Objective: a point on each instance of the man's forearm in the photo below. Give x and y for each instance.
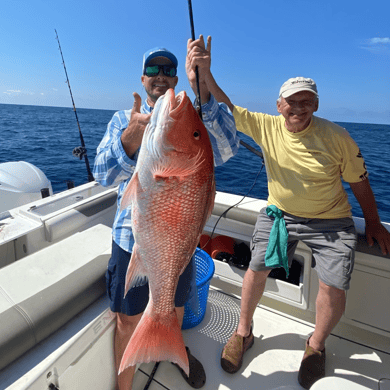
(364, 195)
(217, 92)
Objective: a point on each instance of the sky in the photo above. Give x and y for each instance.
(256, 46)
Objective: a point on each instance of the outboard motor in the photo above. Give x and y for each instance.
(21, 183)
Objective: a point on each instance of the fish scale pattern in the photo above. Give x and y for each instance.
(172, 195)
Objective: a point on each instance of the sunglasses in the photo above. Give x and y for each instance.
(154, 70)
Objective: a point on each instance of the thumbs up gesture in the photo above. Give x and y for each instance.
(132, 137)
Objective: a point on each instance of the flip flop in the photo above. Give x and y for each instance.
(197, 377)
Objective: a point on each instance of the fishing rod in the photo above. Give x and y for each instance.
(252, 149)
(199, 104)
(198, 101)
(80, 151)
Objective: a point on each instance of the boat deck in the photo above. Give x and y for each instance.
(273, 361)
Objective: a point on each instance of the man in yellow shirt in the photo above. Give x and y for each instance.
(306, 157)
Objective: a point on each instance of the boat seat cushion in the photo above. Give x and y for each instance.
(41, 292)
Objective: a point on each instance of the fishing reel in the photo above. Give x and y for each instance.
(79, 152)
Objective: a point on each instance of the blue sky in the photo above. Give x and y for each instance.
(257, 45)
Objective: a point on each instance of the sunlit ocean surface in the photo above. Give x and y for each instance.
(46, 136)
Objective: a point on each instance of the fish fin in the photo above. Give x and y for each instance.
(130, 192)
(156, 338)
(177, 167)
(136, 273)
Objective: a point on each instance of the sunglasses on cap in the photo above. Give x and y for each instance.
(154, 70)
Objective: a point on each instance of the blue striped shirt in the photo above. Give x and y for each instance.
(114, 167)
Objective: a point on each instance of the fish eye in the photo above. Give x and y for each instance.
(196, 135)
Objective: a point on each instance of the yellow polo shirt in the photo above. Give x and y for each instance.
(304, 169)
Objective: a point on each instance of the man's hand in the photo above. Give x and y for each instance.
(374, 229)
(132, 137)
(378, 232)
(198, 55)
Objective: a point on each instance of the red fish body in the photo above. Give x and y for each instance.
(171, 195)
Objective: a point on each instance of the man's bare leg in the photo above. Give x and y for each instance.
(125, 327)
(330, 306)
(252, 290)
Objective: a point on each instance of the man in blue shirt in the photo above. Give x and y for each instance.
(115, 162)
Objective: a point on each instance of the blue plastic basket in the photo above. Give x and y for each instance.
(204, 272)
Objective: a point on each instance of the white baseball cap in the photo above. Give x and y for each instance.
(298, 84)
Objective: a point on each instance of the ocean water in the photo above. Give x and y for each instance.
(46, 136)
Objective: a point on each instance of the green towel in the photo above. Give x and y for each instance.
(276, 255)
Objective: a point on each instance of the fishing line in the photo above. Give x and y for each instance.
(80, 151)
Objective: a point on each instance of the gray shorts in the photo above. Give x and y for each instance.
(332, 241)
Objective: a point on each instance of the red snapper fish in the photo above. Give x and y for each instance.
(171, 194)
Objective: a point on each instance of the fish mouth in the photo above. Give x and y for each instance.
(170, 109)
(176, 103)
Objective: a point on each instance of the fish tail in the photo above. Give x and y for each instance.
(154, 340)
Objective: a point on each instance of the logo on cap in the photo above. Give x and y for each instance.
(298, 84)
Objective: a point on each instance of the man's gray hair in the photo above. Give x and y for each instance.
(279, 99)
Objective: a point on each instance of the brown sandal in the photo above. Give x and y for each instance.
(233, 352)
(312, 366)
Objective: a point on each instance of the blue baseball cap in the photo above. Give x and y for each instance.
(158, 52)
